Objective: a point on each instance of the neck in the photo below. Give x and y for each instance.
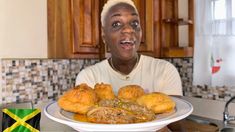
(124, 67)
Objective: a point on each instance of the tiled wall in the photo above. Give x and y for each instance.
(185, 68)
(45, 79)
(38, 80)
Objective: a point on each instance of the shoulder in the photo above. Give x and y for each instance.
(148, 60)
(94, 70)
(100, 65)
(91, 73)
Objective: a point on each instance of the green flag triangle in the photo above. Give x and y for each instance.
(21, 112)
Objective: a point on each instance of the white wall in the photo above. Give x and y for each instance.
(23, 28)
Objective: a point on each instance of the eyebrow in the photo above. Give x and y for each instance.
(118, 14)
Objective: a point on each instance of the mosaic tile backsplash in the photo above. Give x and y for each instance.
(39, 80)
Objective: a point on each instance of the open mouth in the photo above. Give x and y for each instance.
(127, 44)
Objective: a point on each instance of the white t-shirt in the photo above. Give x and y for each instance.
(154, 75)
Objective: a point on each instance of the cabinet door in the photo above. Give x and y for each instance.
(73, 29)
(145, 8)
(85, 27)
(59, 35)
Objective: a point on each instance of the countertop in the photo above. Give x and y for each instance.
(48, 125)
(209, 108)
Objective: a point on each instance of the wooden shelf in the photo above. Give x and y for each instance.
(179, 21)
(177, 52)
(171, 30)
(184, 22)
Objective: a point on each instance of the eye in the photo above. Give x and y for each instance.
(135, 24)
(116, 24)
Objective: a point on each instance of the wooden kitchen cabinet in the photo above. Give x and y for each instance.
(85, 28)
(170, 23)
(74, 28)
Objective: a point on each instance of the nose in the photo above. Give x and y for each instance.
(127, 29)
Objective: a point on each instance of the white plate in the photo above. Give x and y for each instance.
(183, 109)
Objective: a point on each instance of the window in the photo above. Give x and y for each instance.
(223, 17)
(233, 8)
(214, 50)
(233, 16)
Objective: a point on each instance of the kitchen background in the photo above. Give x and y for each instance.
(26, 74)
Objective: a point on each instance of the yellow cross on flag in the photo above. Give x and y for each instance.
(21, 120)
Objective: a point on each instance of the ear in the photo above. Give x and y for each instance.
(103, 34)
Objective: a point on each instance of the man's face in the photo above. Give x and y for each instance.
(122, 31)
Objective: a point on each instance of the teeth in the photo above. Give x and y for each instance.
(127, 41)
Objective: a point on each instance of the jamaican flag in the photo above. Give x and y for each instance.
(21, 120)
